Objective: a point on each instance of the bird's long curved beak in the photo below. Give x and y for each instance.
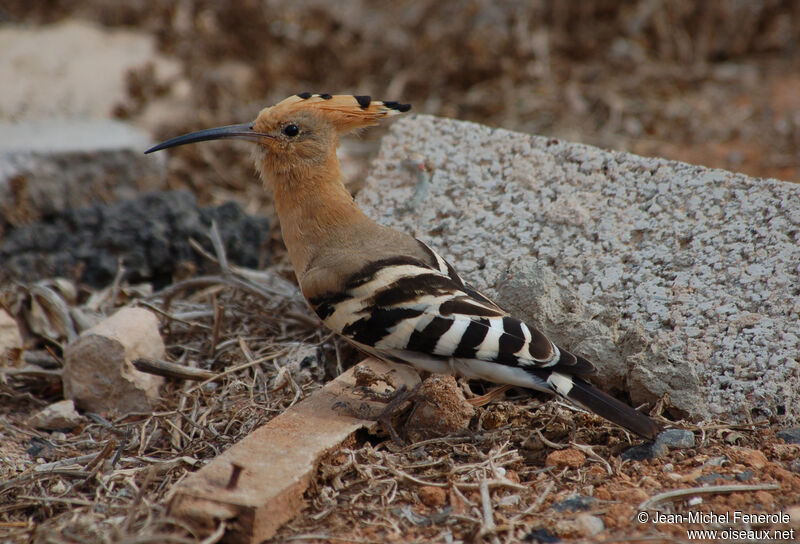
(242, 131)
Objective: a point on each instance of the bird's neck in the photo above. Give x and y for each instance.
(313, 207)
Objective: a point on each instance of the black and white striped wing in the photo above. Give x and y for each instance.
(404, 309)
(423, 313)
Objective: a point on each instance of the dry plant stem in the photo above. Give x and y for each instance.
(111, 302)
(487, 511)
(490, 396)
(71, 502)
(237, 368)
(219, 247)
(667, 495)
(174, 371)
(30, 370)
(538, 502)
(172, 317)
(592, 455)
(217, 535)
(14, 524)
(104, 454)
(219, 315)
(247, 276)
(148, 479)
(548, 443)
(286, 288)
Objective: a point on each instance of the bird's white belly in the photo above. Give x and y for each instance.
(475, 369)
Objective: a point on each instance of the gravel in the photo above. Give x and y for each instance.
(149, 234)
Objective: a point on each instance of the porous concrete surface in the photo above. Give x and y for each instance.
(692, 274)
(48, 166)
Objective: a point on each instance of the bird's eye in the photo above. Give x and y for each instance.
(291, 130)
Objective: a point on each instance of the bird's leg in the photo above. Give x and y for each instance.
(395, 406)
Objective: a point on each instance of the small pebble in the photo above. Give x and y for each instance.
(602, 494)
(794, 516)
(419, 454)
(676, 439)
(432, 496)
(764, 498)
(648, 450)
(574, 503)
(633, 495)
(541, 536)
(508, 500)
(569, 457)
(791, 435)
(711, 478)
(588, 525)
(513, 476)
(753, 458)
(716, 461)
(669, 467)
(745, 476)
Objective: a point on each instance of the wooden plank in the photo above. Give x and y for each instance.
(276, 462)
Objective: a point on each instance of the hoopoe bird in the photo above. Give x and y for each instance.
(385, 292)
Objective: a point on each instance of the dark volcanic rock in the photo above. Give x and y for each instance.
(149, 233)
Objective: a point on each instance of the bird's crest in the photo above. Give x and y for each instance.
(346, 112)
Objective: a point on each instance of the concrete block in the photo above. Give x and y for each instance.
(48, 166)
(674, 278)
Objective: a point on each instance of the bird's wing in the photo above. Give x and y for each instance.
(413, 307)
(416, 309)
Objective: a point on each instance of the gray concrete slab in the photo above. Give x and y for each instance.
(674, 278)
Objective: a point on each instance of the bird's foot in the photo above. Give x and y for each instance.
(395, 407)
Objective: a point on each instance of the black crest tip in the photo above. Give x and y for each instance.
(363, 101)
(397, 106)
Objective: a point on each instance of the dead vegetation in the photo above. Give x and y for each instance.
(111, 479)
(713, 83)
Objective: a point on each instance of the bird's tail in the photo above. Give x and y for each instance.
(604, 405)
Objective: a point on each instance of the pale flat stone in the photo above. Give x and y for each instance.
(59, 415)
(98, 371)
(686, 277)
(10, 339)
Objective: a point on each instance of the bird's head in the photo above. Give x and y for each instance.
(300, 132)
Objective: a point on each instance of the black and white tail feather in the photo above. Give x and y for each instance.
(418, 310)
